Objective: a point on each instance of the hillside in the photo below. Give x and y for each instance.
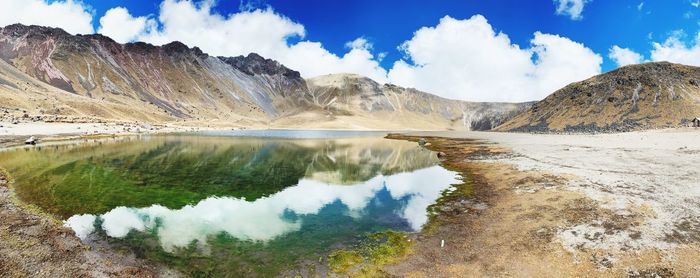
(646, 96)
(48, 74)
(350, 94)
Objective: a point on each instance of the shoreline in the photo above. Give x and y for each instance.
(522, 209)
(536, 219)
(34, 243)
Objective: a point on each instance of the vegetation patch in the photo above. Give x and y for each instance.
(342, 260)
(5, 178)
(380, 249)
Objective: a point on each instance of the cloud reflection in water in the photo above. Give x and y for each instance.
(264, 219)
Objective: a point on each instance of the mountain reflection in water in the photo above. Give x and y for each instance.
(250, 205)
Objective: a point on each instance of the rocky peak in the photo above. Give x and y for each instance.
(175, 47)
(140, 47)
(99, 38)
(34, 31)
(254, 64)
(663, 71)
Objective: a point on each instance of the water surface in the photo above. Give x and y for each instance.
(222, 205)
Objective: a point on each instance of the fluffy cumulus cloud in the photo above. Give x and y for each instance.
(460, 59)
(571, 8)
(262, 31)
(467, 59)
(673, 49)
(119, 25)
(70, 15)
(624, 56)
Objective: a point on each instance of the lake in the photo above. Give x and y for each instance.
(234, 203)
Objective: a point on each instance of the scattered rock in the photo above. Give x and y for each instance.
(421, 141)
(31, 141)
(441, 155)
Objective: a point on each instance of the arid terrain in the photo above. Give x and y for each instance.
(532, 205)
(635, 97)
(33, 244)
(565, 205)
(49, 75)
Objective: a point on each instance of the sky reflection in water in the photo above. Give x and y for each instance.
(251, 204)
(266, 218)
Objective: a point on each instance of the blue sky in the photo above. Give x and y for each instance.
(481, 50)
(388, 23)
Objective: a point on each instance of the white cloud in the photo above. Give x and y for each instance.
(119, 25)
(467, 59)
(673, 49)
(359, 43)
(71, 16)
(640, 6)
(624, 56)
(460, 59)
(262, 31)
(571, 8)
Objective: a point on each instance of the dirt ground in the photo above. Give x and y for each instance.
(620, 205)
(35, 245)
(534, 224)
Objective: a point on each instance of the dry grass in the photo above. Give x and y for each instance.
(516, 235)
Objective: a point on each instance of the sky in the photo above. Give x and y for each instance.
(477, 50)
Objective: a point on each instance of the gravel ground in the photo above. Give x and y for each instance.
(35, 245)
(654, 173)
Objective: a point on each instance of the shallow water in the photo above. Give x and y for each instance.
(215, 204)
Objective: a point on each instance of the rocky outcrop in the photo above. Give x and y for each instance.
(646, 96)
(173, 82)
(354, 94)
(179, 81)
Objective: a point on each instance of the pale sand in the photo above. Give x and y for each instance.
(39, 128)
(655, 173)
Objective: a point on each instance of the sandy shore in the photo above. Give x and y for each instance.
(537, 205)
(33, 244)
(567, 205)
(17, 133)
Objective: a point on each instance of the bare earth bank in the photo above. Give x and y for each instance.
(34, 245)
(542, 205)
(566, 205)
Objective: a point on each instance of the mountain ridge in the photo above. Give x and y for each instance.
(176, 83)
(635, 97)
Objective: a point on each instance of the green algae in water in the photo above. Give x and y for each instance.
(230, 207)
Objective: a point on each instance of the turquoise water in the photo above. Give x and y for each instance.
(220, 205)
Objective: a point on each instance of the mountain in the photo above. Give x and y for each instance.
(47, 73)
(635, 97)
(350, 94)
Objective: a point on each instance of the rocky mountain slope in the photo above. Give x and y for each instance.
(646, 96)
(47, 73)
(350, 94)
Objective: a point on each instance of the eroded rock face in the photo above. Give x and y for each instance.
(646, 96)
(174, 82)
(349, 93)
(255, 64)
(181, 82)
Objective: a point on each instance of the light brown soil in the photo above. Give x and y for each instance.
(516, 234)
(35, 245)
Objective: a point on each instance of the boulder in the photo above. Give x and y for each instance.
(31, 141)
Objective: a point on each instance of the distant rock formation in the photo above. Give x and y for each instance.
(94, 76)
(635, 97)
(354, 94)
